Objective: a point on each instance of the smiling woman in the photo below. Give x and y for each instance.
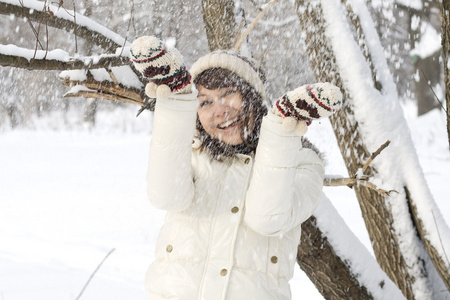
(233, 176)
(229, 114)
(219, 113)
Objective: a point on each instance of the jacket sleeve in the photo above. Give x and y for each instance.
(287, 181)
(169, 177)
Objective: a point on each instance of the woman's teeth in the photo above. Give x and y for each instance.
(227, 123)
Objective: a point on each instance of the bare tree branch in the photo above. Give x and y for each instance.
(375, 154)
(351, 182)
(240, 39)
(67, 24)
(106, 90)
(100, 95)
(53, 64)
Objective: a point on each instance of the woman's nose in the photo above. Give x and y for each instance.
(220, 108)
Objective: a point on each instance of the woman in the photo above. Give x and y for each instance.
(234, 178)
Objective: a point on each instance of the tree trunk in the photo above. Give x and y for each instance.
(445, 37)
(331, 275)
(220, 23)
(334, 278)
(376, 211)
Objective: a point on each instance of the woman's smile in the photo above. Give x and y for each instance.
(219, 113)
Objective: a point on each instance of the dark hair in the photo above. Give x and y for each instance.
(253, 109)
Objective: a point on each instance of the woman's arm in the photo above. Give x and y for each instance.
(169, 178)
(287, 180)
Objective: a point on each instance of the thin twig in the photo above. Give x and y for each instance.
(44, 10)
(95, 271)
(241, 25)
(439, 235)
(351, 182)
(133, 17)
(240, 40)
(36, 34)
(129, 25)
(437, 98)
(99, 95)
(113, 77)
(442, 11)
(46, 31)
(75, 28)
(375, 154)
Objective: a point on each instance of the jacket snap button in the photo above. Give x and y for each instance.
(274, 259)
(247, 160)
(223, 272)
(169, 248)
(235, 209)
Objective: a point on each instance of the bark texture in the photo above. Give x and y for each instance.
(109, 90)
(51, 64)
(220, 23)
(375, 209)
(445, 38)
(331, 275)
(438, 261)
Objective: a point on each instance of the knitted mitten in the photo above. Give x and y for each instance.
(161, 66)
(307, 103)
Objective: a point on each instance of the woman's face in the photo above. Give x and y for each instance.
(219, 112)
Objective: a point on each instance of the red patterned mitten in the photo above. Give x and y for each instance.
(160, 65)
(307, 103)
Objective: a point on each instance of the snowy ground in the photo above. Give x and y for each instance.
(69, 197)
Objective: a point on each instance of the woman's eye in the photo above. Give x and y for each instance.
(205, 103)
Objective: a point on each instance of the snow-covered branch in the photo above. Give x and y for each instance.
(17, 57)
(63, 19)
(115, 84)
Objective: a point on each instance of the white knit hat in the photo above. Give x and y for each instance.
(247, 68)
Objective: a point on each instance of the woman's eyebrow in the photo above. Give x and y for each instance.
(228, 92)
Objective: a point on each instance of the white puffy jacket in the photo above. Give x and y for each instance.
(232, 227)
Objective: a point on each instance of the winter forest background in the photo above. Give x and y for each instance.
(72, 179)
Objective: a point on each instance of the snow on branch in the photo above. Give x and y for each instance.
(114, 84)
(17, 57)
(359, 179)
(63, 19)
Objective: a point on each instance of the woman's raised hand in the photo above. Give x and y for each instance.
(163, 67)
(307, 103)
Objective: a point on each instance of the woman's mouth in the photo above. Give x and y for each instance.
(228, 124)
